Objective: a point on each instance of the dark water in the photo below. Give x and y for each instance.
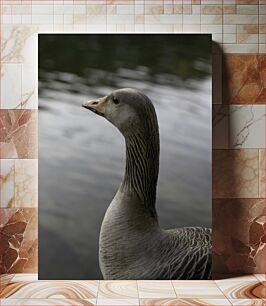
(81, 155)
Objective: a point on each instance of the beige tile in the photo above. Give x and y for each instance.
(211, 9)
(48, 302)
(240, 19)
(247, 38)
(117, 302)
(247, 29)
(248, 302)
(240, 48)
(229, 9)
(211, 19)
(126, 289)
(155, 289)
(25, 277)
(11, 85)
(247, 9)
(184, 302)
(154, 9)
(58, 289)
(229, 38)
(197, 289)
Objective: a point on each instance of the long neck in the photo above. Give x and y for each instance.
(142, 166)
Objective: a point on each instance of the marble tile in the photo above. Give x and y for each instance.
(51, 290)
(5, 279)
(25, 277)
(18, 129)
(247, 126)
(7, 183)
(248, 302)
(118, 289)
(220, 126)
(243, 79)
(211, 9)
(18, 44)
(26, 183)
(248, 29)
(18, 233)
(48, 302)
(29, 85)
(260, 277)
(247, 1)
(117, 302)
(197, 289)
(11, 84)
(155, 289)
(235, 173)
(184, 302)
(239, 245)
(262, 171)
(239, 288)
(241, 49)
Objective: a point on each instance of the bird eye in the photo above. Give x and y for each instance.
(115, 100)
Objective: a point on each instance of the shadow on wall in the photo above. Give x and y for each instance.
(238, 223)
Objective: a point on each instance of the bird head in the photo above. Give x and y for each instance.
(127, 109)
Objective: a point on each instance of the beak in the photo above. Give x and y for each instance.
(97, 106)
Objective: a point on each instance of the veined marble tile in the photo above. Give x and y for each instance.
(26, 183)
(248, 302)
(118, 289)
(18, 233)
(18, 44)
(184, 302)
(238, 235)
(220, 126)
(29, 85)
(247, 126)
(260, 277)
(11, 84)
(235, 173)
(7, 183)
(197, 289)
(18, 130)
(48, 302)
(51, 290)
(5, 279)
(241, 289)
(243, 77)
(155, 289)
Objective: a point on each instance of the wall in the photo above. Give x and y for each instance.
(238, 29)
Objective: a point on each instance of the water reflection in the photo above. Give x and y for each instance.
(81, 159)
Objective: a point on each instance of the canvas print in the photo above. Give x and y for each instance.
(124, 156)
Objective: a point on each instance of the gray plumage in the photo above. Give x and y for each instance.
(132, 245)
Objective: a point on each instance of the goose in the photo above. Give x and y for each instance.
(132, 245)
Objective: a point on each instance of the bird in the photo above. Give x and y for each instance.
(132, 244)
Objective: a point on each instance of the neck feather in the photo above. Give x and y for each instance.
(142, 166)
